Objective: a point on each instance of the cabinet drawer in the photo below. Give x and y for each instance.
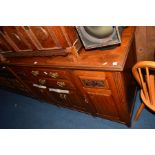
(63, 84)
(48, 73)
(25, 72)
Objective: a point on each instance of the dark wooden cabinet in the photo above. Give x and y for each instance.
(101, 92)
(16, 39)
(31, 40)
(67, 98)
(97, 82)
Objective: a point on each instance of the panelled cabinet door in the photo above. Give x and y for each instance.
(42, 38)
(62, 99)
(103, 102)
(16, 39)
(100, 91)
(68, 99)
(40, 93)
(75, 101)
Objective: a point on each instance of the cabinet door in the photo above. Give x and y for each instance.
(16, 39)
(42, 38)
(67, 98)
(104, 102)
(100, 92)
(39, 91)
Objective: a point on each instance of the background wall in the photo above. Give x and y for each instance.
(145, 42)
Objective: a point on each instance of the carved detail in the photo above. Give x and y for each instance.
(61, 83)
(93, 83)
(42, 81)
(53, 75)
(35, 73)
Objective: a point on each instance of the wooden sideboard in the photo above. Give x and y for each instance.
(50, 64)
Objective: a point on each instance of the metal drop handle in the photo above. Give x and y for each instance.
(53, 75)
(42, 81)
(35, 73)
(61, 83)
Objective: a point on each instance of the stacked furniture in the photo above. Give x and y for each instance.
(50, 64)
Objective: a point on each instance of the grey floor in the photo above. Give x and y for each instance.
(20, 112)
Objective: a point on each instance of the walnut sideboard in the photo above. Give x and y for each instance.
(50, 64)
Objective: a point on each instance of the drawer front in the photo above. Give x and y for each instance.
(35, 73)
(63, 84)
(48, 73)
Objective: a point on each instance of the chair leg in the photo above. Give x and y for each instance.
(142, 106)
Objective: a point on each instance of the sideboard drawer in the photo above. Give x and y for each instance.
(60, 83)
(26, 72)
(48, 73)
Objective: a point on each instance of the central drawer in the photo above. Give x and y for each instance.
(60, 83)
(26, 72)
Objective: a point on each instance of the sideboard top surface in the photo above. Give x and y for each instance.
(112, 59)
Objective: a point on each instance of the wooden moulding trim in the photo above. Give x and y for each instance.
(128, 47)
(62, 52)
(77, 67)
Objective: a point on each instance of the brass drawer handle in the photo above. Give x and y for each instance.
(35, 73)
(53, 75)
(39, 86)
(63, 96)
(61, 83)
(59, 90)
(42, 81)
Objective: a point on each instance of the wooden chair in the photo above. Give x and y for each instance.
(144, 73)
